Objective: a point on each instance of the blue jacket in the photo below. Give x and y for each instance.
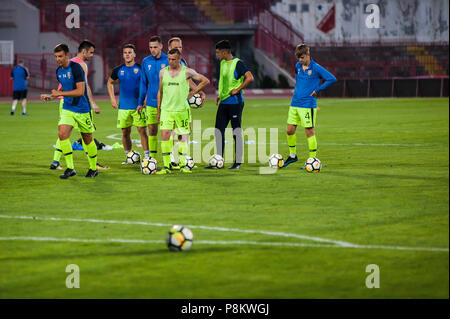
(150, 79)
(307, 82)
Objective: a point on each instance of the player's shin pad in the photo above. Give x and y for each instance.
(153, 144)
(312, 146)
(66, 148)
(92, 155)
(166, 149)
(58, 151)
(183, 149)
(292, 143)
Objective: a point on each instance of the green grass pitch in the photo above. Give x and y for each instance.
(384, 186)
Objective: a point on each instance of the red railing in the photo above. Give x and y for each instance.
(97, 21)
(153, 20)
(53, 19)
(276, 37)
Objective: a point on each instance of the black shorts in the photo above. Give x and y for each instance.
(19, 95)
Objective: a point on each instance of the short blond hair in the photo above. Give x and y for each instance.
(174, 39)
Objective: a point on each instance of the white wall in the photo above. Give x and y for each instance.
(21, 24)
(400, 20)
(25, 33)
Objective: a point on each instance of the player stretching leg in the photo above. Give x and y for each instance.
(173, 94)
(129, 77)
(76, 110)
(303, 109)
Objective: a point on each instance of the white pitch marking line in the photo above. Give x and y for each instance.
(210, 242)
(318, 239)
(341, 244)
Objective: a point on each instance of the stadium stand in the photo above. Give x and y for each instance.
(265, 27)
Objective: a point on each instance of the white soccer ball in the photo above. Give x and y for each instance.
(190, 162)
(149, 166)
(216, 161)
(179, 238)
(313, 165)
(133, 157)
(276, 161)
(195, 101)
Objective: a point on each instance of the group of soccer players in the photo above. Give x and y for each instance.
(156, 93)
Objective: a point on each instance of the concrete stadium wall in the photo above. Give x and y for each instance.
(20, 23)
(400, 20)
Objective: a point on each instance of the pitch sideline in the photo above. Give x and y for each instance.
(334, 243)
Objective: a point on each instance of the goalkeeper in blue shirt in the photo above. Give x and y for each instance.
(303, 109)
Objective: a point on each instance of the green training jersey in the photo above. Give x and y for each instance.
(175, 91)
(227, 81)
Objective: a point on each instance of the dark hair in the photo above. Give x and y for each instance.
(20, 61)
(61, 47)
(155, 38)
(130, 46)
(223, 45)
(301, 49)
(174, 51)
(85, 44)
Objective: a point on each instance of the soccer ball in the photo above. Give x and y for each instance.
(195, 101)
(179, 238)
(216, 161)
(133, 157)
(276, 161)
(313, 165)
(190, 162)
(148, 166)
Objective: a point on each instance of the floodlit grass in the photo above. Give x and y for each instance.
(385, 181)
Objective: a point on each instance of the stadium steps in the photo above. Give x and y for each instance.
(430, 64)
(213, 12)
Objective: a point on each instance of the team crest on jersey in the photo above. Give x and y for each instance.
(68, 75)
(163, 66)
(309, 72)
(149, 67)
(135, 70)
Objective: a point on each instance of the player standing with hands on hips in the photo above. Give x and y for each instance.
(303, 109)
(172, 112)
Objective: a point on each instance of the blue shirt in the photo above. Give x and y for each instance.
(19, 74)
(307, 82)
(129, 80)
(240, 70)
(69, 77)
(150, 79)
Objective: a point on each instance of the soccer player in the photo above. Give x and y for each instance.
(129, 77)
(151, 65)
(20, 75)
(76, 111)
(173, 94)
(85, 52)
(176, 43)
(303, 109)
(234, 77)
